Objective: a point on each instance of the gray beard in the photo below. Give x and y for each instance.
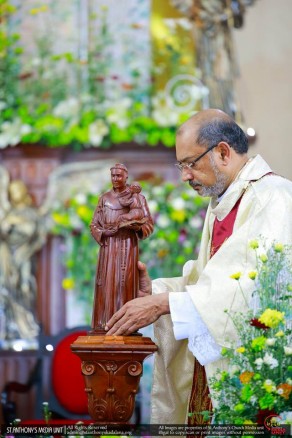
(216, 189)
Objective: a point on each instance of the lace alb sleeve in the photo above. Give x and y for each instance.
(187, 323)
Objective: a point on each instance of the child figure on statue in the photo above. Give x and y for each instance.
(129, 198)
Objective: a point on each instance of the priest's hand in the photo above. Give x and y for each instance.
(138, 313)
(145, 286)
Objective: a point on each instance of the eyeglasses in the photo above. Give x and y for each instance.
(181, 166)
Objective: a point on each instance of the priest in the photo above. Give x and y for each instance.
(248, 201)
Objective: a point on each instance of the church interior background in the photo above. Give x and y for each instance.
(87, 83)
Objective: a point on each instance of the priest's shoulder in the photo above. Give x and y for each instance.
(273, 185)
(274, 180)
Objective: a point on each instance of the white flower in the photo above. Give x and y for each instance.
(197, 92)
(286, 417)
(76, 222)
(270, 341)
(36, 62)
(163, 111)
(153, 244)
(165, 117)
(280, 391)
(3, 105)
(157, 244)
(185, 23)
(153, 206)
(157, 191)
(178, 204)
(97, 131)
(118, 112)
(25, 129)
(12, 132)
(270, 360)
(187, 244)
(269, 385)
(67, 108)
(48, 73)
(170, 23)
(163, 221)
(158, 98)
(80, 198)
(253, 399)
(196, 222)
(234, 369)
(288, 351)
(86, 98)
(259, 362)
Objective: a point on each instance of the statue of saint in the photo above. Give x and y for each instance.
(22, 233)
(121, 218)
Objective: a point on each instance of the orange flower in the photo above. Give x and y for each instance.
(162, 253)
(127, 86)
(136, 26)
(25, 75)
(246, 376)
(286, 388)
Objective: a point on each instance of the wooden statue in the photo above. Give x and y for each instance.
(121, 218)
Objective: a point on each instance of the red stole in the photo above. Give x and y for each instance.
(223, 229)
(200, 400)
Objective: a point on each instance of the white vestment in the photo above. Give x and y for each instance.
(265, 212)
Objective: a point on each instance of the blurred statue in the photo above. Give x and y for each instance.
(213, 21)
(22, 233)
(121, 218)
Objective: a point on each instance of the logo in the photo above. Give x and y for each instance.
(273, 424)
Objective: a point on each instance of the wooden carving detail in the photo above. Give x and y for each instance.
(87, 368)
(112, 409)
(110, 400)
(135, 369)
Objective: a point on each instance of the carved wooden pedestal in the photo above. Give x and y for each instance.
(112, 367)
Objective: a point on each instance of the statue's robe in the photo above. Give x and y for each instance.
(264, 213)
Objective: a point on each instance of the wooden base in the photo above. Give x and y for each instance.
(112, 367)
(100, 331)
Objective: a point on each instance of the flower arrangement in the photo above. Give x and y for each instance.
(178, 214)
(59, 96)
(259, 381)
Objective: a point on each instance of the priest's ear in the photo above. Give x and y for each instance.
(224, 153)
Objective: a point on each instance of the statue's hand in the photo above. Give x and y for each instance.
(145, 286)
(110, 232)
(137, 313)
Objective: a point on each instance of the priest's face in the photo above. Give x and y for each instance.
(204, 176)
(119, 179)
